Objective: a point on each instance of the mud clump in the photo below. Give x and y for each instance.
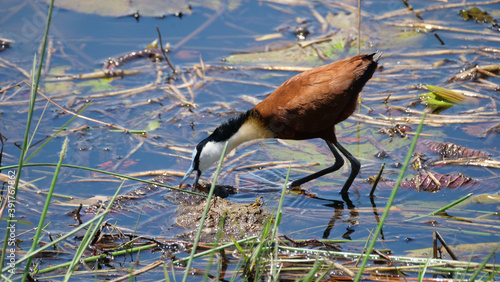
(241, 220)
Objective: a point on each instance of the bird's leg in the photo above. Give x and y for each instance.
(339, 162)
(355, 166)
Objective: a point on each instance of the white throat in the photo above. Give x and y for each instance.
(212, 151)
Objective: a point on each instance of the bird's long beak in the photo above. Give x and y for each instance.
(188, 173)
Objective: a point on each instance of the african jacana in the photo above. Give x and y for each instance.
(307, 106)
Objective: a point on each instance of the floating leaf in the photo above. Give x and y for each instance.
(486, 199)
(143, 8)
(477, 15)
(342, 41)
(152, 126)
(453, 151)
(426, 182)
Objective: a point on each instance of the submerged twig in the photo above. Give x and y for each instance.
(438, 236)
(163, 51)
(21, 70)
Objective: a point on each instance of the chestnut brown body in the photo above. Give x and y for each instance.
(311, 103)
(307, 106)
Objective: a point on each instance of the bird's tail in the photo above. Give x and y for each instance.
(376, 56)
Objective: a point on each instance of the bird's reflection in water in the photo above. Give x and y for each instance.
(262, 181)
(340, 209)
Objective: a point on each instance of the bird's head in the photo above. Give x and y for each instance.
(235, 131)
(206, 153)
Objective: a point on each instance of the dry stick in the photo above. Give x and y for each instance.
(50, 47)
(319, 39)
(381, 148)
(429, 26)
(139, 271)
(483, 69)
(81, 116)
(157, 172)
(177, 94)
(21, 70)
(94, 75)
(448, 249)
(359, 27)
(16, 103)
(347, 7)
(264, 67)
(210, 78)
(405, 11)
(377, 180)
(320, 19)
(7, 98)
(434, 245)
(230, 163)
(163, 51)
(481, 116)
(118, 163)
(469, 161)
(190, 91)
(130, 92)
(439, 52)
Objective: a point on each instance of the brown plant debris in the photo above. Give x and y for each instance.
(476, 72)
(426, 181)
(453, 151)
(241, 220)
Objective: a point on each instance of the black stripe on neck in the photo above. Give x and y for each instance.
(229, 127)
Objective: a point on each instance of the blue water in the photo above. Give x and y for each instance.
(82, 42)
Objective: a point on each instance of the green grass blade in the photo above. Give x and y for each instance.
(277, 220)
(204, 216)
(422, 274)
(12, 189)
(55, 242)
(55, 134)
(485, 261)
(46, 206)
(34, 88)
(108, 173)
(391, 200)
(218, 237)
(443, 208)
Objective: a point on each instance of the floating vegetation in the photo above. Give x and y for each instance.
(479, 16)
(433, 182)
(440, 99)
(5, 43)
(241, 220)
(151, 51)
(453, 151)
